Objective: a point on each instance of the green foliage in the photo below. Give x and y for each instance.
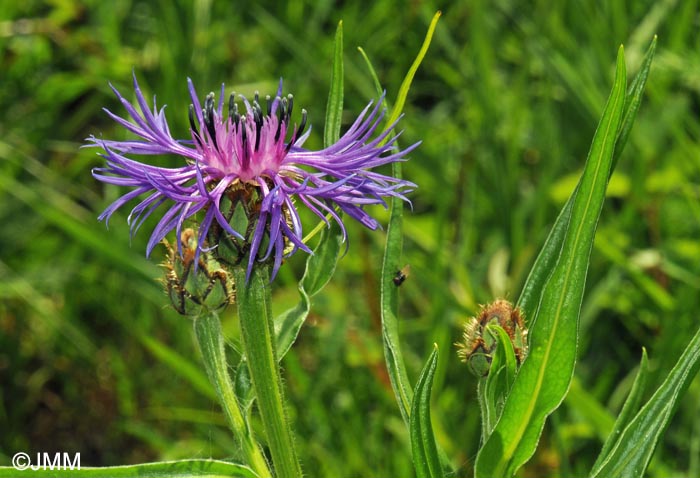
(631, 406)
(321, 265)
(544, 377)
(494, 389)
(630, 455)
(392, 257)
(334, 106)
(505, 104)
(207, 328)
(423, 447)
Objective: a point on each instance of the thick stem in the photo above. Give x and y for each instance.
(257, 331)
(207, 328)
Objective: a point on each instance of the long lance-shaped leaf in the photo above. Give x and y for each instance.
(530, 296)
(544, 377)
(425, 455)
(391, 262)
(406, 84)
(629, 410)
(635, 447)
(633, 101)
(163, 469)
(334, 107)
(321, 265)
(389, 307)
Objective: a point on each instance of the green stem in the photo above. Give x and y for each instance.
(257, 331)
(207, 328)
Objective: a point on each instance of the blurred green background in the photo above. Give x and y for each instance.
(506, 102)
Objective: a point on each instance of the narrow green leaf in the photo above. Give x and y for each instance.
(542, 268)
(180, 365)
(425, 454)
(406, 84)
(392, 260)
(633, 101)
(372, 72)
(320, 267)
(544, 377)
(504, 363)
(334, 108)
(629, 409)
(389, 306)
(163, 469)
(494, 389)
(630, 456)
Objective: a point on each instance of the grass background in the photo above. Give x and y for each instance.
(506, 102)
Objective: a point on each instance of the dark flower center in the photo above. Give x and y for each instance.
(283, 107)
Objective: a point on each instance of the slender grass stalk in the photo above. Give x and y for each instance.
(257, 331)
(211, 342)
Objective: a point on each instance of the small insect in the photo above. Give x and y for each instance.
(402, 275)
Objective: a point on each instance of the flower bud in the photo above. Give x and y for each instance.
(478, 344)
(207, 286)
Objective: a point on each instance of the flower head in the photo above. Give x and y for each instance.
(254, 159)
(191, 286)
(479, 340)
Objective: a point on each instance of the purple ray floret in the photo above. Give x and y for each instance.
(256, 149)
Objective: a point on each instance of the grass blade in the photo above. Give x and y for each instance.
(179, 365)
(544, 377)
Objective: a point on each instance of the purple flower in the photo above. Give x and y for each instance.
(248, 151)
